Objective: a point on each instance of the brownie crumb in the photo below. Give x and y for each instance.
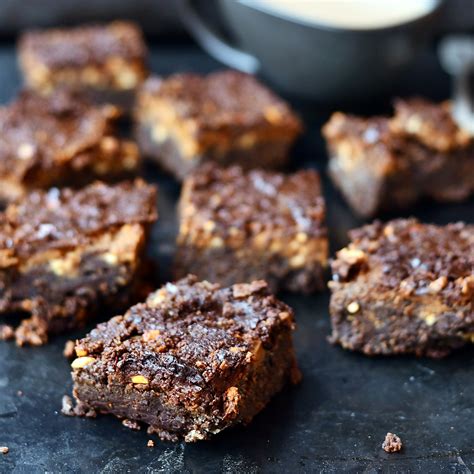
(243, 290)
(4, 449)
(133, 425)
(69, 351)
(67, 406)
(79, 409)
(392, 443)
(83, 410)
(6, 332)
(150, 443)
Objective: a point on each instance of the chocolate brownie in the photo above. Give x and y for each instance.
(404, 288)
(60, 140)
(64, 255)
(227, 117)
(382, 163)
(192, 360)
(109, 60)
(238, 226)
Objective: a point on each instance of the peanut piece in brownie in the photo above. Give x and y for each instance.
(227, 117)
(238, 226)
(192, 360)
(404, 288)
(60, 140)
(107, 60)
(65, 255)
(381, 163)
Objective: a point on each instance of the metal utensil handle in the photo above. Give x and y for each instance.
(212, 42)
(463, 98)
(456, 53)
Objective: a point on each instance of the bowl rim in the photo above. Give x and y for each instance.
(262, 8)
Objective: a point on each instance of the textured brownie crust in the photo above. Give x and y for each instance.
(85, 45)
(65, 254)
(191, 361)
(59, 140)
(237, 226)
(222, 99)
(430, 123)
(385, 163)
(103, 56)
(66, 218)
(226, 116)
(404, 287)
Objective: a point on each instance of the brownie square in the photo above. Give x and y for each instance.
(404, 288)
(65, 255)
(238, 226)
(227, 117)
(381, 164)
(60, 140)
(108, 61)
(192, 360)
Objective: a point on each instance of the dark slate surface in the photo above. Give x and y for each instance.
(334, 421)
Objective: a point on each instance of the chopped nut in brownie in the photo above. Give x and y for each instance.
(191, 361)
(383, 163)
(61, 140)
(131, 424)
(65, 255)
(7, 332)
(392, 443)
(404, 287)
(238, 226)
(227, 117)
(67, 408)
(69, 351)
(109, 61)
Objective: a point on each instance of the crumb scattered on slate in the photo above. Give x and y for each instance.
(4, 449)
(392, 443)
(67, 406)
(19, 393)
(82, 410)
(150, 443)
(69, 351)
(6, 332)
(133, 425)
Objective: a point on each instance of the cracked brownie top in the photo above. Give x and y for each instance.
(85, 45)
(223, 99)
(187, 335)
(234, 201)
(41, 132)
(415, 120)
(66, 218)
(413, 258)
(430, 123)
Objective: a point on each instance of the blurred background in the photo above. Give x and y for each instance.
(158, 17)
(328, 61)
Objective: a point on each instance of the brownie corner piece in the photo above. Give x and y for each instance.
(238, 226)
(404, 288)
(227, 117)
(60, 140)
(107, 60)
(67, 255)
(191, 361)
(386, 163)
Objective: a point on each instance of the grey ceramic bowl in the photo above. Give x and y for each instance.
(308, 59)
